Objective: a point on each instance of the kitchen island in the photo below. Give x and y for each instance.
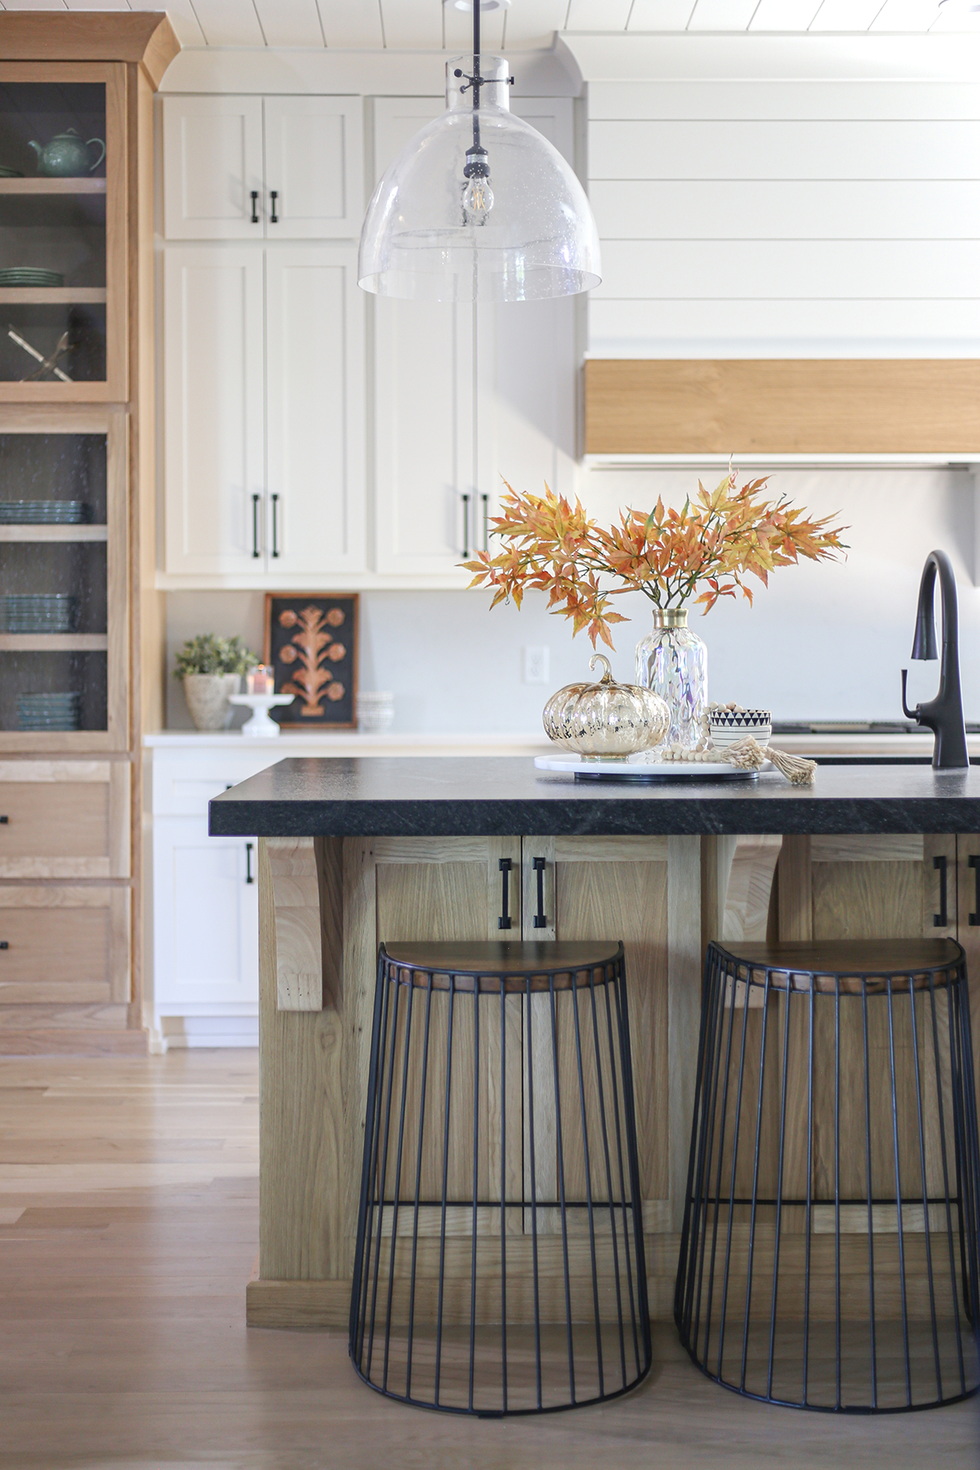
(356, 851)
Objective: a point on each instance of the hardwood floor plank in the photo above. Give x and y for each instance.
(128, 1229)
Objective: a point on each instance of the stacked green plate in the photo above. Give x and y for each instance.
(29, 275)
(49, 711)
(38, 612)
(42, 512)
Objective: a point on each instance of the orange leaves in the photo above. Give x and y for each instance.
(712, 544)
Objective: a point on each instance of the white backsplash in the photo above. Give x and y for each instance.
(823, 641)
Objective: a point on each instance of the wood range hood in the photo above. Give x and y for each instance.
(775, 407)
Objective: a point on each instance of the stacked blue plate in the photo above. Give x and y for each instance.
(49, 711)
(41, 512)
(38, 612)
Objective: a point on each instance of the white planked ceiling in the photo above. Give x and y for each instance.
(430, 25)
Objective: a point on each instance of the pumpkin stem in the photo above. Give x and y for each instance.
(600, 658)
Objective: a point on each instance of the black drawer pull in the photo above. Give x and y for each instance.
(4, 820)
(974, 863)
(540, 920)
(4, 944)
(273, 217)
(255, 206)
(941, 920)
(505, 921)
(248, 862)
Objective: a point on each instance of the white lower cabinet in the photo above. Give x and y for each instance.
(206, 934)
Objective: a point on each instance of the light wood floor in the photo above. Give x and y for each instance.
(127, 1232)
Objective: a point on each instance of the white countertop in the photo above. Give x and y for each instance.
(352, 742)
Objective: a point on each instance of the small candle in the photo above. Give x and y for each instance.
(260, 680)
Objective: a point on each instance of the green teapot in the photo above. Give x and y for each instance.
(66, 156)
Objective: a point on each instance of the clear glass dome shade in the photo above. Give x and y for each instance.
(517, 227)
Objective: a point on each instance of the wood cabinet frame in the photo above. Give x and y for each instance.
(115, 387)
(113, 423)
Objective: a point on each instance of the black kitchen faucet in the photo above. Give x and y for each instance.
(944, 714)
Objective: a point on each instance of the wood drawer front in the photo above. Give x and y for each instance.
(69, 821)
(64, 945)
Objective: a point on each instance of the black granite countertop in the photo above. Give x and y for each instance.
(471, 796)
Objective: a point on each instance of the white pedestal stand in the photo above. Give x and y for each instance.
(260, 704)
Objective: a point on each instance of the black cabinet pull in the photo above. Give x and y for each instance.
(974, 863)
(4, 820)
(941, 920)
(466, 524)
(540, 921)
(248, 862)
(255, 525)
(273, 217)
(275, 525)
(486, 521)
(4, 944)
(255, 206)
(505, 921)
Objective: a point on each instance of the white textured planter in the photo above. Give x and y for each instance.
(208, 698)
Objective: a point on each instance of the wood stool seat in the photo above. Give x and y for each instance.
(494, 964)
(499, 1264)
(830, 1252)
(852, 966)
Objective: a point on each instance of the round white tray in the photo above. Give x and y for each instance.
(642, 770)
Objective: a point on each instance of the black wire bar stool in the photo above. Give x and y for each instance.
(499, 1263)
(829, 1255)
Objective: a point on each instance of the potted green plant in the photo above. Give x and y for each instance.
(210, 669)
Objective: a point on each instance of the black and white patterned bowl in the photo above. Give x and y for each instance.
(731, 725)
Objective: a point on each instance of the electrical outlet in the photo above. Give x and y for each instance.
(536, 661)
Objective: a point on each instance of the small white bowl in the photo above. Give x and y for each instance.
(728, 726)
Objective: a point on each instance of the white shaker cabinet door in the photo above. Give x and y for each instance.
(215, 410)
(423, 385)
(212, 167)
(205, 917)
(314, 165)
(315, 407)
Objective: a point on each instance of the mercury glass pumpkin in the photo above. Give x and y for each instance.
(606, 721)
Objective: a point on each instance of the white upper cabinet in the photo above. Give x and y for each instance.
(244, 168)
(264, 411)
(314, 410)
(314, 164)
(214, 439)
(464, 397)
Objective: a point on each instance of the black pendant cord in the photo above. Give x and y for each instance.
(477, 78)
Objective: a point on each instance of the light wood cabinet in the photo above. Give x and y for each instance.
(253, 168)
(62, 946)
(64, 819)
(77, 451)
(264, 435)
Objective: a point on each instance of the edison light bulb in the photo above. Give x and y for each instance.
(477, 201)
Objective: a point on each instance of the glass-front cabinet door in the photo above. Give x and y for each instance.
(62, 233)
(63, 626)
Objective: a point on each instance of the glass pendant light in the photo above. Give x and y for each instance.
(479, 206)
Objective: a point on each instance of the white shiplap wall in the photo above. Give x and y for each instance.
(759, 217)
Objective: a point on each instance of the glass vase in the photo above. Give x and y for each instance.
(673, 661)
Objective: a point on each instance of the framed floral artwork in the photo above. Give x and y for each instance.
(311, 644)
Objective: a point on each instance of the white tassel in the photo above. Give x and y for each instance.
(748, 755)
(794, 767)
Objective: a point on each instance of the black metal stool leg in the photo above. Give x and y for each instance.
(830, 1255)
(499, 1264)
